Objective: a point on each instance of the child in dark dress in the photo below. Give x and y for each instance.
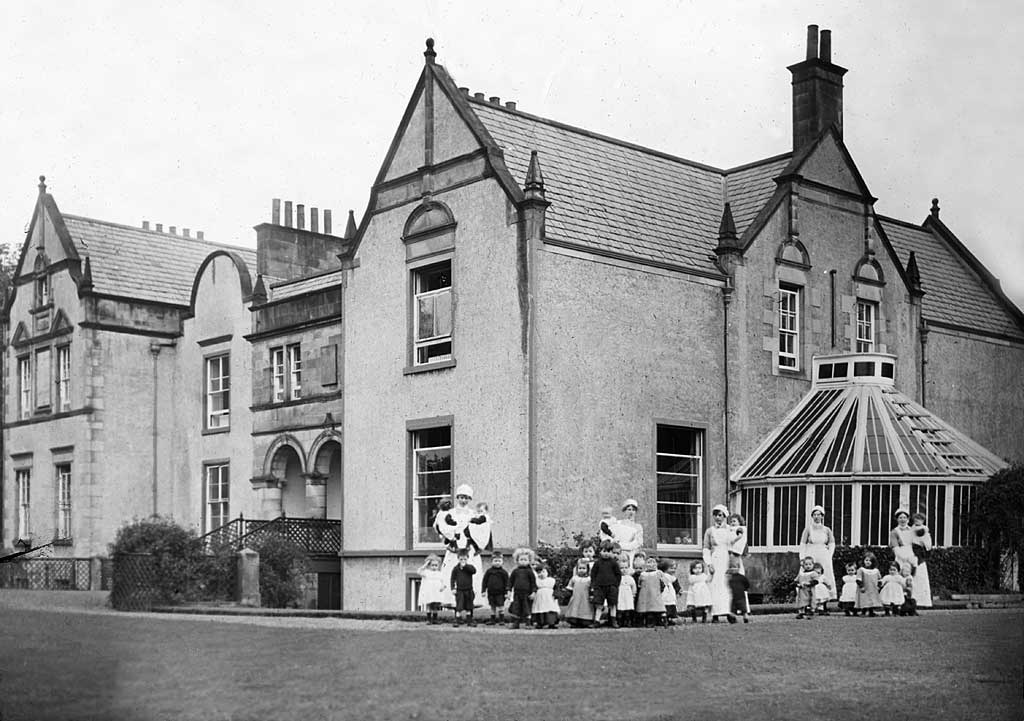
(495, 585)
(462, 586)
(738, 587)
(605, 578)
(523, 583)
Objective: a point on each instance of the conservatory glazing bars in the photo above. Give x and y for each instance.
(860, 448)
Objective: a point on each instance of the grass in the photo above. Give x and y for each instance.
(61, 665)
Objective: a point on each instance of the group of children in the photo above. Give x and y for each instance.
(865, 591)
(641, 591)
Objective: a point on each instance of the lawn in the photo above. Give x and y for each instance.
(945, 664)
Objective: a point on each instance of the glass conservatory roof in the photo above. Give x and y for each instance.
(855, 422)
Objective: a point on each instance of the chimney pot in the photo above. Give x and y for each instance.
(812, 42)
(825, 52)
(495, 100)
(159, 227)
(327, 221)
(200, 235)
(511, 105)
(145, 225)
(275, 211)
(478, 96)
(173, 230)
(300, 216)
(314, 220)
(935, 208)
(288, 213)
(186, 232)
(464, 91)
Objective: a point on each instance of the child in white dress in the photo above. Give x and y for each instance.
(848, 596)
(822, 592)
(670, 592)
(580, 613)
(698, 594)
(893, 590)
(545, 607)
(431, 588)
(627, 592)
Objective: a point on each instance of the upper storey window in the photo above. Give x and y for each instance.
(432, 320)
(789, 326)
(218, 392)
(867, 313)
(287, 372)
(41, 297)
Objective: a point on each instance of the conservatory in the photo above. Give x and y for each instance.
(861, 449)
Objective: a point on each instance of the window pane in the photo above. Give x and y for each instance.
(425, 326)
(434, 484)
(434, 437)
(679, 463)
(677, 524)
(426, 509)
(755, 512)
(790, 511)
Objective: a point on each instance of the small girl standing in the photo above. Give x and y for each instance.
(545, 607)
(649, 605)
(823, 591)
(671, 590)
(627, 592)
(893, 590)
(698, 595)
(431, 588)
(806, 580)
(868, 577)
(580, 613)
(848, 597)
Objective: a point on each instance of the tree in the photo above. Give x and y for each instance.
(8, 266)
(997, 519)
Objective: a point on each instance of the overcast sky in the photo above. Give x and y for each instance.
(197, 114)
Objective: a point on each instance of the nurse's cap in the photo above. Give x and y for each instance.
(630, 502)
(464, 490)
(899, 511)
(721, 508)
(818, 508)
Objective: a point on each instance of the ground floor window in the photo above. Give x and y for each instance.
(432, 479)
(217, 495)
(680, 479)
(63, 500)
(23, 481)
(859, 514)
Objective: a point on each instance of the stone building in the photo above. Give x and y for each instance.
(562, 319)
(126, 381)
(557, 318)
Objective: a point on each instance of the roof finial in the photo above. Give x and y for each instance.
(85, 283)
(534, 177)
(42, 184)
(913, 274)
(259, 291)
(350, 228)
(429, 53)
(935, 208)
(727, 228)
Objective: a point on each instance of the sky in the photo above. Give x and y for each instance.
(197, 114)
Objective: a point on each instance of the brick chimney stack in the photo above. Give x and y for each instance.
(817, 90)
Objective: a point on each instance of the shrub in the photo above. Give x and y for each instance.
(950, 570)
(997, 523)
(780, 588)
(174, 550)
(283, 568)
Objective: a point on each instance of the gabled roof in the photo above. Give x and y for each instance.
(617, 197)
(954, 292)
(143, 264)
(854, 423)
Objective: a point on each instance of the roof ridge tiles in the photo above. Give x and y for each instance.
(904, 223)
(150, 231)
(758, 163)
(598, 136)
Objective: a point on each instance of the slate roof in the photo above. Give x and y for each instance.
(954, 292)
(293, 288)
(144, 264)
(613, 196)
